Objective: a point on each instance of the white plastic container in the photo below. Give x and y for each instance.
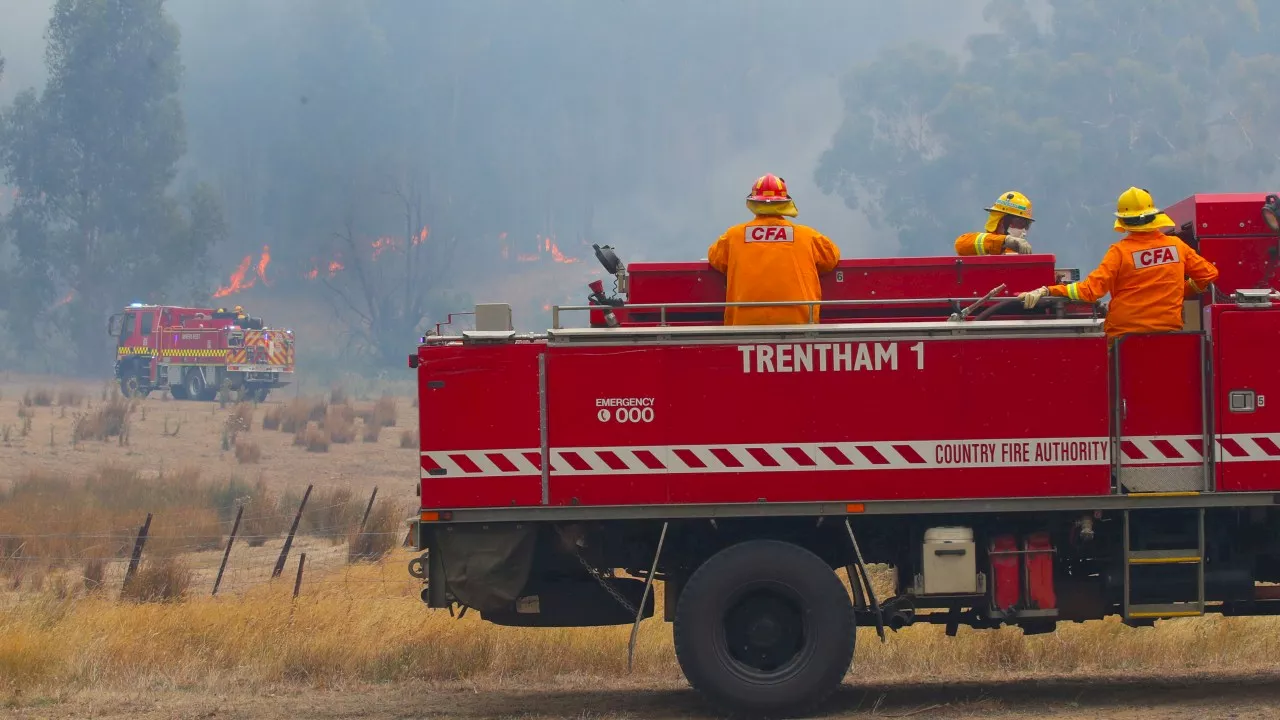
(949, 562)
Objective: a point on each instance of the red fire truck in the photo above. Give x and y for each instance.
(194, 351)
(1000, 461)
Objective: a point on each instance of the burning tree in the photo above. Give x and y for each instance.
(385, 288)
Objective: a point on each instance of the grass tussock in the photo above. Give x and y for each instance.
(248, 452)
(167, 579)
(409, 440)
(108, 420)
(272, 418)
(240, 419)
(312, 438)
(340, 424)
(71, 397)
(381, 533)
(39, 397)
(370, 432)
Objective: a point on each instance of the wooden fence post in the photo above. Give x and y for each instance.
(288, 541)
(234, 527)
(297, 583)
(136, 558)
(368, 507)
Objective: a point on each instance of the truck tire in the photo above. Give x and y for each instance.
(129, 386)
(764, 628)
(194, 382)
(179, 392)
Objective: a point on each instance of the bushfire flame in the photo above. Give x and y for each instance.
(377, 246)
(69, 297)
(544, 247)
(238, 278)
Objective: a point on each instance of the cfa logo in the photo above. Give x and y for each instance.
(1155, 256)
(770, 233)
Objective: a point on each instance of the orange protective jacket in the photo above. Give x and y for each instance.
(982, 243)
(772, 259)
(1148, 275)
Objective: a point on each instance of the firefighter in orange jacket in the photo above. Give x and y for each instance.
(771, 259)
(1008, 220)
(1148, 273)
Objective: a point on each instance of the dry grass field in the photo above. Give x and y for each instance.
(82, 468)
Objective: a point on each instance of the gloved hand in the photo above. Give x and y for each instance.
(1017, 244)
(1031, 297)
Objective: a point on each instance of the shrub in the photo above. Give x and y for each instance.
(40, 397)
(409, 440)
(272, 418)
(94, 572)
(337, 395)
(371, 432)
(296, 415)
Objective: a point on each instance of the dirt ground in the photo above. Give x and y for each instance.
(1242, 696)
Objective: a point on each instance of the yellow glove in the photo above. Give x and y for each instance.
(1017, 244)
(1031, 297)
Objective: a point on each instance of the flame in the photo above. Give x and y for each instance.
(382, 244)
(421, 237)
(238, 281)
(312, 274)
(334, 267)
(71, 295)
(263, 262)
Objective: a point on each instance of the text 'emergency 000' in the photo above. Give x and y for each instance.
(821, 357)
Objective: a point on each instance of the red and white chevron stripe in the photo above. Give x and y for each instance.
(780, 457)
(1190, 450)
(800, 457)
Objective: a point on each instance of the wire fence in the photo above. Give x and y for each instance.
(353, 546)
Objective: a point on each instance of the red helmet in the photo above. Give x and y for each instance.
(769, 188)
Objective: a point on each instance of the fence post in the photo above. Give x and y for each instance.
(368, 507)
(138, 543)
(297, 583)
(234, 527)
(288, 541)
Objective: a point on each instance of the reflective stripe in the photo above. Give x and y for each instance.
(1193, 285)
(979, 244)
(1072, 292)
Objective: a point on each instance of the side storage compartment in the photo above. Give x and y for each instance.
(479, 419)
(1160, 411)
(1247, 394)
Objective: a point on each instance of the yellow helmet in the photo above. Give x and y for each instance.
(1137, 212)
(239, 309)
(1010, 203)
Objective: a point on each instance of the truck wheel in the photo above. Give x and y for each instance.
(764, 628)
(179, 392)
(129, 386)
(194, 383)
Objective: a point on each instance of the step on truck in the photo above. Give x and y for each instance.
(194, 352)
(1001, 462)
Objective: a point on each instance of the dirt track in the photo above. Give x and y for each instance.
(1182, 697)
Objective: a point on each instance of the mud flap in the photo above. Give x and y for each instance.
(486, 566)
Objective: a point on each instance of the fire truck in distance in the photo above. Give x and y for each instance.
(1005, 466)
(193, 352)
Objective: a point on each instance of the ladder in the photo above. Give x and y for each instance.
(1173, 562)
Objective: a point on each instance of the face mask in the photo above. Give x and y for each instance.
(1020, 233)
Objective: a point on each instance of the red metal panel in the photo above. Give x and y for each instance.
(1040, 572)
(1245, 341)
(479, 398)
(727, 429)
(1221, 214)
(1243, 262)
(856, 279)
(1161, 385)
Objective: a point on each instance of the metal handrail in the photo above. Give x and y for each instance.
(810, 304)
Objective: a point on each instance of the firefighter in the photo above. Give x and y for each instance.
(241, 317)
(1008, 220)
(1148, 272)
(770, 258)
